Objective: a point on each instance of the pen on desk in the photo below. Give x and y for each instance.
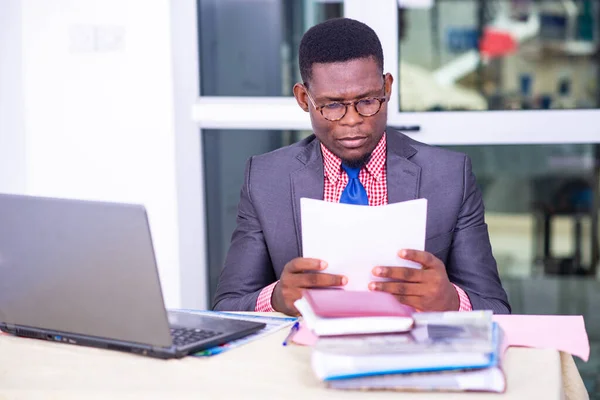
(290, 335)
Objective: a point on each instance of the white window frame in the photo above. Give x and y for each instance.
(193, 266)
(448, 127)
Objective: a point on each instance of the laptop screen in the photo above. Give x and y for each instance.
(80, 267)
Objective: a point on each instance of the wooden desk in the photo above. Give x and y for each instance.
(263, 369)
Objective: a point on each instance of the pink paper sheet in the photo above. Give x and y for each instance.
(304, 336)
(560, 332)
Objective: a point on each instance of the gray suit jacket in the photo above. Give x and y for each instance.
(268, 232)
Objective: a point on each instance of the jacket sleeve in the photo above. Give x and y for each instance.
(247, 269)
(471, 265)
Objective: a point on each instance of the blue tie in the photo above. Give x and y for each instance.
(355, 192)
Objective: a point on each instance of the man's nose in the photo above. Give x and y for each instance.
(352, 117)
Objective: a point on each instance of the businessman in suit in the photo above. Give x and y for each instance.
(352, 157)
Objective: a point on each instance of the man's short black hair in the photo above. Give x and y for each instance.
(338, 40)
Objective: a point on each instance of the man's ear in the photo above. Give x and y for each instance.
(389, 80)
(301, 97)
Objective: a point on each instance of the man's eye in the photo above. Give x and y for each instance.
(367, 102)
(334, 106)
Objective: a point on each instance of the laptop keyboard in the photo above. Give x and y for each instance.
(184, 336)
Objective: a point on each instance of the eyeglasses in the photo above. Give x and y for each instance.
(366, 107)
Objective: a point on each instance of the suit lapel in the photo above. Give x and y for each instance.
(403, 176)
(306, 182)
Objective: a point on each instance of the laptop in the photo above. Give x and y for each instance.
(84, 273)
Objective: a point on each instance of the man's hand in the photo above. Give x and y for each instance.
(298, 274)
(426, 289)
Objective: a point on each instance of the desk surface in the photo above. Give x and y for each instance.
(263, 369)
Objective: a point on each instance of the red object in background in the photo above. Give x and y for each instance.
(496, 43)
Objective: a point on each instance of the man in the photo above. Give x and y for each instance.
(353, 158)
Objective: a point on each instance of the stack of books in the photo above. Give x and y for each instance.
(445, 351)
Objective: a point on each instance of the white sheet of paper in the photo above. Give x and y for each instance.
(354, 239)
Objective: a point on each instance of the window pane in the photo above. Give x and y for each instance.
(249, 47)
(539, 202)
(499, 55)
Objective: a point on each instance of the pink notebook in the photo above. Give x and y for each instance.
(333, 303)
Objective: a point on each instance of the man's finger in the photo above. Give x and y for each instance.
(415, 302)
(310, 280)
(299, 265)
(404, 274)
(399, 288)
(426, 259)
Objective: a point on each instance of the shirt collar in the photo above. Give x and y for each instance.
(332, 164)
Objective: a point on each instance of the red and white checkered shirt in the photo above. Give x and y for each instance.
(372, 176)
